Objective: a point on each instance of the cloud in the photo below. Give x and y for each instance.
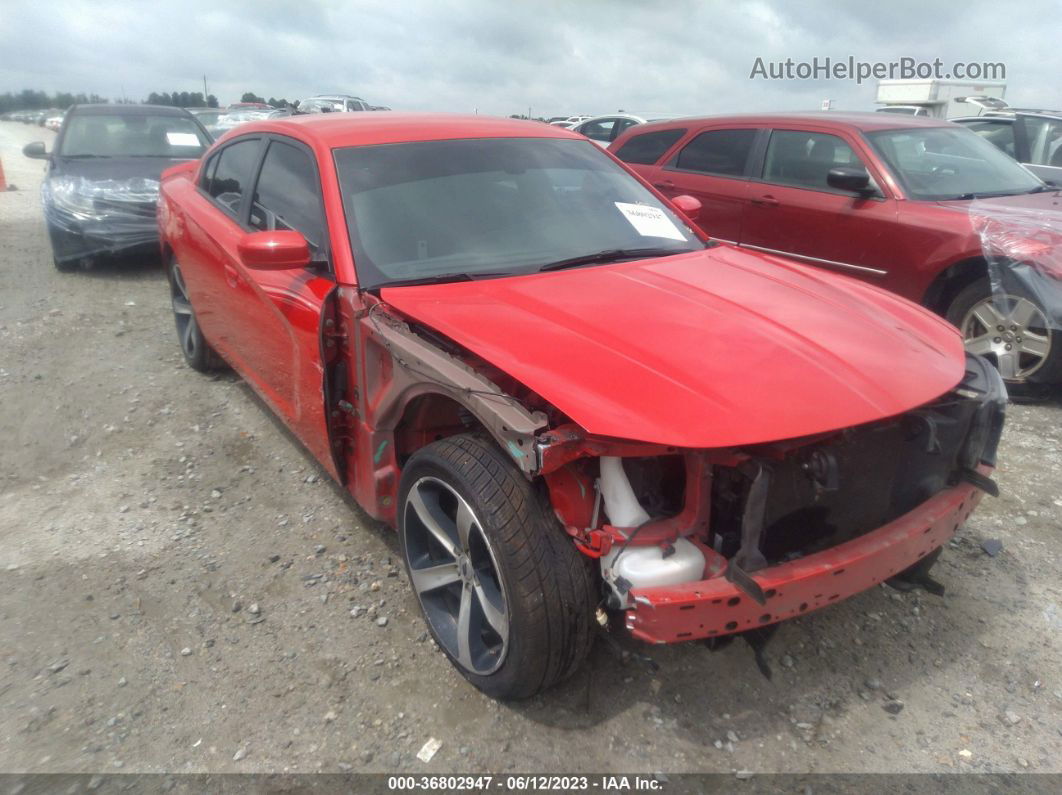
(593, 56)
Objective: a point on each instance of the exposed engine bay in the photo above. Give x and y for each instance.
(773, 503)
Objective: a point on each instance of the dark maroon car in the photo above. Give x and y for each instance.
(919, 206)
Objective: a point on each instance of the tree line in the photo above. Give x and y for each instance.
(28, 99)
(182, 99)
(250, 96)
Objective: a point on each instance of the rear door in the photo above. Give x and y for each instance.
(793, 211)
(714, 166)
(208, 248)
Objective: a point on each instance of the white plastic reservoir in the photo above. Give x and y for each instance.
(646, 567)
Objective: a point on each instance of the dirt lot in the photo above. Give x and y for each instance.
(177, 580)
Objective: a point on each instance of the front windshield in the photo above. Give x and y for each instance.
(92, 135)
(497, 206)
(941, 163)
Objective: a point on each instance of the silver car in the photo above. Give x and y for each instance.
(1032, 137)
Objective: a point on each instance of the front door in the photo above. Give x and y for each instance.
(794, 211)
(276, 315)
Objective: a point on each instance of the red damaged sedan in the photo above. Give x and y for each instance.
(575, 408)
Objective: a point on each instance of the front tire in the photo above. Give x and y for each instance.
(505, 594)
(1011, 330)
(197, 351)
(65, 265)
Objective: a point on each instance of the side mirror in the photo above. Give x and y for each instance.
(35, 150)
(853, 180)
(278, 250)
(689, 206)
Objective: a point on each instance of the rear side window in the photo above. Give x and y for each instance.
(600, 130)
(724, 153)
(804, 159)
(233, 173)
(208, 173)
(647, 148)
(288, 195)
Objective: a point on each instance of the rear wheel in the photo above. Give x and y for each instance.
(506, 595)
(197, 351)
(1011, 330)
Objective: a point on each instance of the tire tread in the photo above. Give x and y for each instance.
(554, 583)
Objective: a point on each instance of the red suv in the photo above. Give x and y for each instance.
(919, 206)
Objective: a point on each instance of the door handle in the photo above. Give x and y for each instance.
(665, 185)
(232, 277)
(765, 201)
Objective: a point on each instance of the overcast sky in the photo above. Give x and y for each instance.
(503, 56)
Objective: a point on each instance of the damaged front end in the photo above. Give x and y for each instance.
(701, 544)
(88, 217)
(691, 543)
(1019, 324)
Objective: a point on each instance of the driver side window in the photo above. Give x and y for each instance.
(804, 159)
(288, 195)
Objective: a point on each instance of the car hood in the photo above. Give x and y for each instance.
(714, 348)
(1048, 201)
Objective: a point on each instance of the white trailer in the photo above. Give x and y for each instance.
(940, 99)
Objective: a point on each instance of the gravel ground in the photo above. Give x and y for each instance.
(183, 589)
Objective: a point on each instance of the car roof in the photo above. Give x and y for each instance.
(1034, 112)
(635, 116)
(127, 110)
(336, 130)
(864, 122)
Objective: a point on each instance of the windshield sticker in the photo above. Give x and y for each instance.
(182, 139)
(649, 221)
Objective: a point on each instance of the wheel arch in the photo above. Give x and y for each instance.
(953, 280)
(426, 416)
(413, 390)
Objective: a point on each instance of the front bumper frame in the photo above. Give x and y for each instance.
(715, 607)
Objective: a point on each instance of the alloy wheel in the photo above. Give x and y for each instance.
(1011, 329)
(456, 576)
(182, 313)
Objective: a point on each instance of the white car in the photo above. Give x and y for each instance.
(569, 122)
(234, 118)
(333, 103)
(603, 130)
